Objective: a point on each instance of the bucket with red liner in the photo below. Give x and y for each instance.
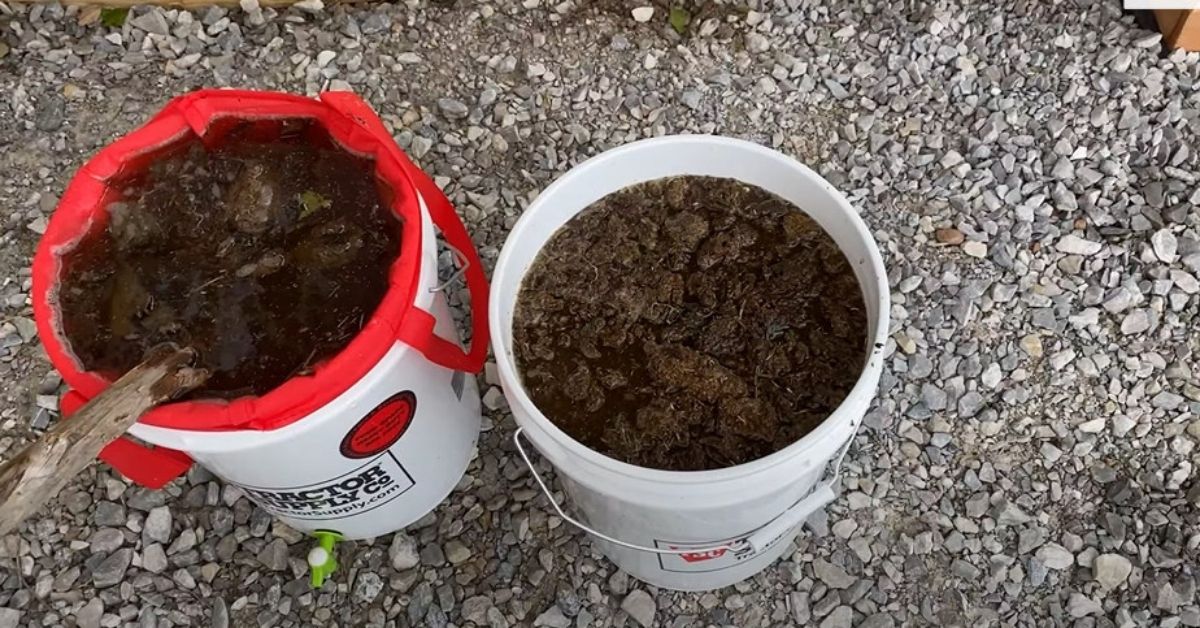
(376, 436)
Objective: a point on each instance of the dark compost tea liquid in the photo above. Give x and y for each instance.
(266, 254)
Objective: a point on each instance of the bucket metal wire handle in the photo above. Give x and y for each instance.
(461, 262)
(817, 498)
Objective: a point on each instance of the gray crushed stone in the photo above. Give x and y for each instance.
(1031, 457)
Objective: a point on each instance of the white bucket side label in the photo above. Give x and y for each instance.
(704, 559)
(363, 489)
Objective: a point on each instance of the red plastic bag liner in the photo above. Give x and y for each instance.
(207, 114)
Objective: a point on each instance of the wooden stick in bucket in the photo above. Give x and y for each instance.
(45, 466)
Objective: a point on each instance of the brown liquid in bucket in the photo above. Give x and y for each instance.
(265, 256)
(689, 323)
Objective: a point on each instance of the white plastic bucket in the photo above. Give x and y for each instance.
(705, 529)
(375, 436)
(301, 472)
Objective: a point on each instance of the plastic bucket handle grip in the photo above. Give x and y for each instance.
(417, 329)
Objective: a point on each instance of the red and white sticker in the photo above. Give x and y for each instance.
(706, 559)
(381, 428)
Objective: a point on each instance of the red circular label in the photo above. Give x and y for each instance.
(381, 428)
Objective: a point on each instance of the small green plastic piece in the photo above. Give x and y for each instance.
(321, 559)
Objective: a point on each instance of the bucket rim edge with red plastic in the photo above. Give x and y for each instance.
(352, 124)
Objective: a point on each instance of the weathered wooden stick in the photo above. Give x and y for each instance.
(45, 466)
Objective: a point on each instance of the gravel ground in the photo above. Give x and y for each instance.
(1028, 171)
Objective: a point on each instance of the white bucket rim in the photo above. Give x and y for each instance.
(506, 362)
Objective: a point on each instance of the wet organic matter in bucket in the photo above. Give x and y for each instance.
(690, 323)
(265, 253)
